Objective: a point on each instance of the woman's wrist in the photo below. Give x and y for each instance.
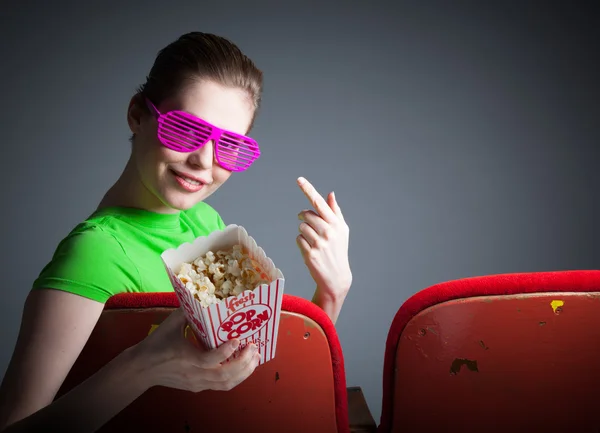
(329, 302)
(135, 367)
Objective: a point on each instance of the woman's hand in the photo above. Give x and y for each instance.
(169, 359)
(323, 242)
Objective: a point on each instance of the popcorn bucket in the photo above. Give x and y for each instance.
(252, 316)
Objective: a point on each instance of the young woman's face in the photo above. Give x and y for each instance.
(179, 180)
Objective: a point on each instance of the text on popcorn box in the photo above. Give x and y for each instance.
(260, 343)
(233, 303)
(245, 322)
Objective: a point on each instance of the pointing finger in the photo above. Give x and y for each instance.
(318, 202)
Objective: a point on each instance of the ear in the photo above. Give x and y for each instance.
(136, 113)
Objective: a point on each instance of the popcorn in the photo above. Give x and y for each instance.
(228, 288)
(219, 275)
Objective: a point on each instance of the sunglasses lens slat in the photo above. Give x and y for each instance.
(191, 130)
(186, 122)
(177, 142)
(236, 152)
(181, 134)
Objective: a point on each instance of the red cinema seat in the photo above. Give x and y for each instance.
(302, 390)
(501, 353)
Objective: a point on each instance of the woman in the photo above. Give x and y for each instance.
(189, 123)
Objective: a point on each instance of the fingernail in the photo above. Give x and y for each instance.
(333, 195)
(235, 344)
(301, 180)
(301, 217)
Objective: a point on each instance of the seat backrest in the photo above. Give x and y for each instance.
(303, 389)
(513, 352)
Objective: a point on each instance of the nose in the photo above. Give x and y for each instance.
(204, 157)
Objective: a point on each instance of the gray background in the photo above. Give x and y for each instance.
(461, 138)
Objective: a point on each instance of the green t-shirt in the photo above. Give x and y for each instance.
(118, 250)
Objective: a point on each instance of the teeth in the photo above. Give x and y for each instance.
(193, 182)
(187, 179)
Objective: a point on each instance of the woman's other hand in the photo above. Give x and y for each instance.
(323, 242)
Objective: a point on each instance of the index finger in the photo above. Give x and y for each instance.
(316, 200)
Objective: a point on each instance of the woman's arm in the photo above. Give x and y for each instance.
(91, 404)
(56, 326)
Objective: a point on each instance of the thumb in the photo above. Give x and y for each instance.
(333, 204)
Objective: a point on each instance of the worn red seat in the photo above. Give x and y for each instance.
(302, 390)
(502, 353)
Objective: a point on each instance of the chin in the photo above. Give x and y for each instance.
(182, 205)
(181, 201)
(178, 202)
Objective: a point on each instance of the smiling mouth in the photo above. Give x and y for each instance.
(188, 184)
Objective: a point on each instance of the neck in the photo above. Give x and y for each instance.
(130, 191)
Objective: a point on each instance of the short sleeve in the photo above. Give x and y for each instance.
(90, 262)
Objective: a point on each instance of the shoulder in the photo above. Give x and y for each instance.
(90, 238)
(90, 262)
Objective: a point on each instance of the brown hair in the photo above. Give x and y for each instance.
(202, 56)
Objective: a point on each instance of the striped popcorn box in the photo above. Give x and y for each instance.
(252, 316)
